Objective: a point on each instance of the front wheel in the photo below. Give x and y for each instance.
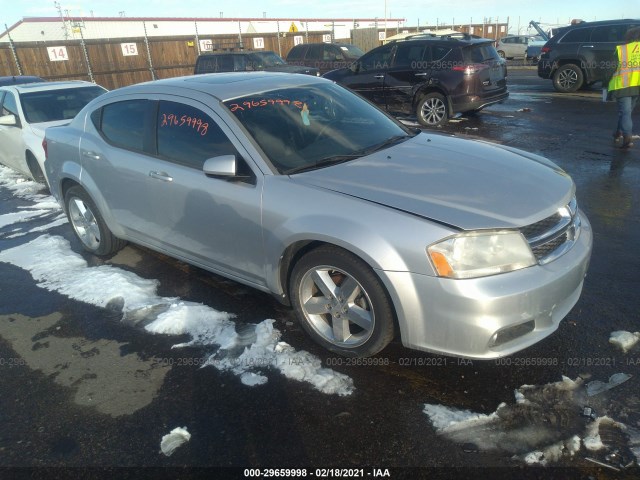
(432, 110)
(568, 78)
(341, 303)
(88, 224)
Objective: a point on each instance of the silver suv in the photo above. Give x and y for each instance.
(296, 186)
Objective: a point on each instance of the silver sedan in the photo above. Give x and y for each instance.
(296, 186)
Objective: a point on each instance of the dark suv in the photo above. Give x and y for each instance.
(324, 56)
(430, 76)
(247, 61)
(581, 54)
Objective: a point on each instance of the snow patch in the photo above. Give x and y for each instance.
(624, 340)
(173, 440)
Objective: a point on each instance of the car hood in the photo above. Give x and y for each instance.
(465, 184)
(39, 128)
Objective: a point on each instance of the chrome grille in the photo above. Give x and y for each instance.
(553, 236)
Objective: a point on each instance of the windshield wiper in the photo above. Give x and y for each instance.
(388, 142)
(324, 162)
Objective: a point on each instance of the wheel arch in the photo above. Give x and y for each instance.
(433, 88)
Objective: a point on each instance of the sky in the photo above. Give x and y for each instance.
(415, 12)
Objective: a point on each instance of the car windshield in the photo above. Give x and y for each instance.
(311, 126)
(63, 104)
(352, 51)
(267, 59)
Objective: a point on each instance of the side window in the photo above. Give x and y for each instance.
(189, 136)
(409, 55)
(577, 35)
(377, 59)
(296, 53)
(315, 52)
(609, 33)
(123, 123)
(9, 106)
(438, 52)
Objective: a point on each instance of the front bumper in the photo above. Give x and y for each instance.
(489, 317)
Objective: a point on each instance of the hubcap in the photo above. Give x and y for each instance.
(433, 111)
(84, 223)
(337, 306)
(567, 78)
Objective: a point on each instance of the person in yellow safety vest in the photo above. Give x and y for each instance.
(624, 85)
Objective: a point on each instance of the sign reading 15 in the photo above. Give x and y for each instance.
(129, 49)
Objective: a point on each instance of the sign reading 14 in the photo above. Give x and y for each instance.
(57, 54)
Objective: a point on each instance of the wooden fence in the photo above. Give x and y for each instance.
(115, 63)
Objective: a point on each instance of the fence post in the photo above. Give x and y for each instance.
(306, 32)
(86, 55)
(146, 43)
(13, 50)
(240, 35)
(279, 46)
(197, 37)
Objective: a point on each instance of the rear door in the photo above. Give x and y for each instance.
(411, 68)
(601, 48)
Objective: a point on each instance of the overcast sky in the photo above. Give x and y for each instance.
(426, 12)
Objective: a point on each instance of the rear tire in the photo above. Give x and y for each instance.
(36, 171)
(568, 78)
(432, 110)
(341, 303)
(88, 224)
(501, 53)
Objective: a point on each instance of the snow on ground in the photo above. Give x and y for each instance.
(173, 440)
(542, 427)
(624, 340)
(56, 267)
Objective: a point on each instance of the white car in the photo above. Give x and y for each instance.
(26, 110)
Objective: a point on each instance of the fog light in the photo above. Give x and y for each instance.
(511, 333)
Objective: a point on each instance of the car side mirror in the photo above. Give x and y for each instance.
(220, 166)
(9, 120)
(224, 166)
(355, 67)
(339, 57)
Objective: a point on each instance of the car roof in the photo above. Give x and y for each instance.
(223, 86)
(206, 54)
(45, 86)
(18, 79)
(460, 39)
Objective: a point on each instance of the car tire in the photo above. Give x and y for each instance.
(34, 168)
(341, 303)
(88, 224)
(432, 110)
(501, 53)
(568, 78)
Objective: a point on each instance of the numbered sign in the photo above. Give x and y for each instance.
(206, 46)
(129, 49)
(58, 54)
(326, 38)
(382, 36)
(258, 43)
(298, 39)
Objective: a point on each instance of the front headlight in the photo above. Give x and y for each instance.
(480, 254)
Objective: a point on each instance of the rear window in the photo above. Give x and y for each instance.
(296, 53)
(609, 33)
(481, 53)
(577, 35)
(51, 105)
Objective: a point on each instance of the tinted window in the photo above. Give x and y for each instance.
(225, 63)
(123, 123)
(63, 104)
(189, 136)
(9, 106)
(438, 52)
(296, 53)
(377, 59)
(577, 35)
(482, 53)
(314, 52)
(409, 55)
(609, 33)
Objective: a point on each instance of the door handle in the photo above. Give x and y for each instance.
(421, 74)
(161, 176)
(379, 76)
(92, 155)
(587, 46)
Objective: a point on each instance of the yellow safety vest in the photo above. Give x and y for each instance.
(628, 71)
